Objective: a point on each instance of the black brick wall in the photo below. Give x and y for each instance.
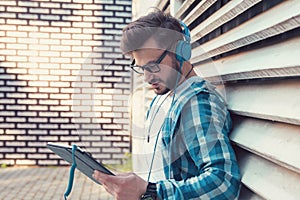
(63, 79)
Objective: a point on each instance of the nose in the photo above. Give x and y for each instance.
(148, 76)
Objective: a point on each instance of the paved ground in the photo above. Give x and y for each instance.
(47, 183)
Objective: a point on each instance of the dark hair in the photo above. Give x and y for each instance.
(162, 27)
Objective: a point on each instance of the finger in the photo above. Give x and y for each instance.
(104, 180)
(101, 177)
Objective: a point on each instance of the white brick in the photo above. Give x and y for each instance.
(59, 96)
(16, 46)
(7, 150)
(83, 24)
(27, 77)
(61, 121)
(49, 65)
(71, 54)
(61, 24)
(113, 7)
(50, 53)
(82, 48)
(28, 16)
(27, 126)
(37, 156)
(69, 138)
(16, 9)
(122, 2)
(112, 126)
(68, 78)
(16, 58)
(82, 36)
(50, 5)
(59, 108)
(71, 42)
(38, 59)
(60, 35)
(8, 27)
(48, 102)
(48, 114)
(16, 21)
(48, 138)
(39, 23)
(27, 113)
(92, 19)
(15, 156)
(25, 162)
(72, 6)
(15, 143)
(61, 11)
(16, 34)
(83, 12)
(59, 84)
(50, 29)
(8, 15)
(27, 53)
(7, 113)
(38, 47)
(8, 40)
(39, 10)
(72, 30)
(111, 150)
(38, 71)
(26, 150)
(103, 13)
(92, 6)
(103, 1)
(8, 52)
(28, 3)
(91, 138)
(49, 17)
(38, 120)
(37, 144)
(48, 90)
(60, 60)
(39, 84)
(60, 48)
(85, 1)
(7, 89)
(27, 101)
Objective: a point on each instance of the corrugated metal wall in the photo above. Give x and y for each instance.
(250, 49)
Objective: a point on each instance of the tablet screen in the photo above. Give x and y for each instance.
(85, 163)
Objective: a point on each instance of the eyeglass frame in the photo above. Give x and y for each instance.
(148, 67)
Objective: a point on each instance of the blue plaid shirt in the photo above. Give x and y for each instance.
(198, 160)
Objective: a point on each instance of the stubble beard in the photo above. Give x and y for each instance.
(171, 82)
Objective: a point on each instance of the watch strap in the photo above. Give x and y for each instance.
(150, 191)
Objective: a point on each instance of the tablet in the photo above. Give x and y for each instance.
(85, 163)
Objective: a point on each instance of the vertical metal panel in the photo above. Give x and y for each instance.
(252, 47)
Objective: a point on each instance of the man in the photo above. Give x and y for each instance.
(197, 159)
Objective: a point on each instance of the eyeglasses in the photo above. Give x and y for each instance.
(152, 67)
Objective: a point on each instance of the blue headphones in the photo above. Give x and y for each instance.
(183, 48)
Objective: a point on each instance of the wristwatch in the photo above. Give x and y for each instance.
(150, 192)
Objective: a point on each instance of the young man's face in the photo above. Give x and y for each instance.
(164, 80)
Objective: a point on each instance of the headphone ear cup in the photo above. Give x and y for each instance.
(183, 51)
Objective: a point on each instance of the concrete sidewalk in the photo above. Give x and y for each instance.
(47, 183)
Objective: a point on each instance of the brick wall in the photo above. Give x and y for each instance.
(63, 79)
